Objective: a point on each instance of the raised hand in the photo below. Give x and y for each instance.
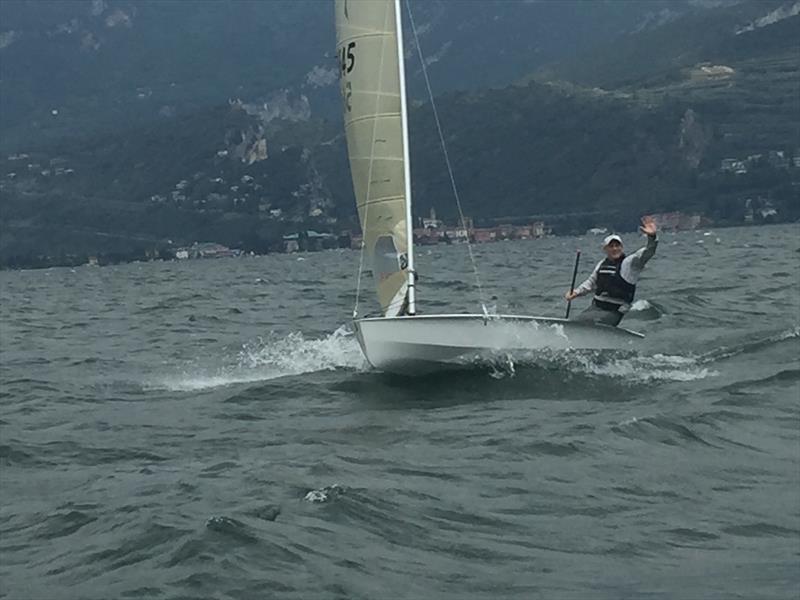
(648, 226)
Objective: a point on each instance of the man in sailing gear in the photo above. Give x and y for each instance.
(614, 279)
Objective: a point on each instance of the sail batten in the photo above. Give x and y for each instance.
(370, 82)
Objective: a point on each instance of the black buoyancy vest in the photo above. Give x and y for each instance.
(611, 285)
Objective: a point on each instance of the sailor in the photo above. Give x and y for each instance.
(614, 279)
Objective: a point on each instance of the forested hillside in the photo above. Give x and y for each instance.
(693, 109)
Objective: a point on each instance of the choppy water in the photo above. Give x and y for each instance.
(209, 429)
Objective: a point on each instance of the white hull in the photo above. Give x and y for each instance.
(427, 343)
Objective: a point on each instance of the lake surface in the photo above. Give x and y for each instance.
(209, 429)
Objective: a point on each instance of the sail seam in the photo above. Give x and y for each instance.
(382, 200)
(374, 117)
(362, 36)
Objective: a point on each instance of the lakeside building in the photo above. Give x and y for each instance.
(205, 250)
(444, 234)
(479, 235)
(309, 241)
(677, 221)
(777, 159)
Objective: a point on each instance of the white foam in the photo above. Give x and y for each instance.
(324, 494)
(502, 368)
(645, 369)
(316, 496)
(631, 368)
(273, 357)
(786, 335)
(640, 305)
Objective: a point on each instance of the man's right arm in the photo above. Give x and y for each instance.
(590, 285)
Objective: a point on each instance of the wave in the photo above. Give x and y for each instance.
(325, 494)
(626, 367)
(171, 303)
(233, 528)
(64, 523)
(273, 357)
(646, 369)
(672, 431)
(668, 367)
(724, 352)
(645, 310)
(664, 367)
(11, 456)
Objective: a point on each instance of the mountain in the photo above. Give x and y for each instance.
(474, 45)
(68, 68)
(73, 67)
(746, 30)
(643, 123)
(737, 67)
(222, 174)
(128, 173)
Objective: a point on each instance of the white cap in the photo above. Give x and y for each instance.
(611, 238)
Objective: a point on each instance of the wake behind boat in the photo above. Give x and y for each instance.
(372, 80)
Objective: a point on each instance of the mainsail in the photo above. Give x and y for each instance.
(369, 63)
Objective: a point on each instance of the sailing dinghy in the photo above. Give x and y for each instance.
(371, 60)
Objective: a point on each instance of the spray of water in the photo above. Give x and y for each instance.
(272, 357)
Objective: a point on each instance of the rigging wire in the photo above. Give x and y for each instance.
(481, 296)
(360, 270)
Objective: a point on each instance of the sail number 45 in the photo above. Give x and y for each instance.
(347, 58)
(346, 64)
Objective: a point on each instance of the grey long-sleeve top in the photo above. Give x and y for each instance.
(630, 270)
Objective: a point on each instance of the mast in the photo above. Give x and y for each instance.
(398, 13)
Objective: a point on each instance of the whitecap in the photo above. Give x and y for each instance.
(324, 494)
(724, 352)
(316, 496)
